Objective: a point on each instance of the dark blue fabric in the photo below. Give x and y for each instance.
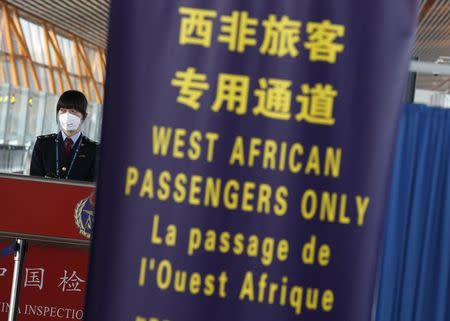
(145, 54)
(415, 271)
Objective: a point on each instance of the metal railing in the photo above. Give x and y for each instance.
(13, 158)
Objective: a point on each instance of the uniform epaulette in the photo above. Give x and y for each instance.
(88, 140)
(47, 136)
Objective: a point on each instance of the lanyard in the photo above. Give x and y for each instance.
(73, 158)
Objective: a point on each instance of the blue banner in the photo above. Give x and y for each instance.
(246, 152)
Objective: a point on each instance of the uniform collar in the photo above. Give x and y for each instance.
(74, 138)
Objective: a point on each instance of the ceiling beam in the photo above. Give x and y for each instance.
(428, 4)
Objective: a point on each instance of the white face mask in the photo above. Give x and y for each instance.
(69, 122)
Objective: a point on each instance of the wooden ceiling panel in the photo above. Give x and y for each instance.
(432, 42)
(87, 19)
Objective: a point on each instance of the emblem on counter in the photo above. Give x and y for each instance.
(84, 216)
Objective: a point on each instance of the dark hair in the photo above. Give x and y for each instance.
(72, 99)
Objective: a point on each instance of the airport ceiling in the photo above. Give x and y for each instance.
(88, 19)
(432, 42)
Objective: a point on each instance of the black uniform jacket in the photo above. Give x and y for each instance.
(43, 161)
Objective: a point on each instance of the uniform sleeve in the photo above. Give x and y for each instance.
(37, 163)
(94, 165)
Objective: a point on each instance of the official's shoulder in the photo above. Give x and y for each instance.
(89, 141)
(46, 137)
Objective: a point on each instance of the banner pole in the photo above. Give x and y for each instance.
(411, 85)
(19, 256)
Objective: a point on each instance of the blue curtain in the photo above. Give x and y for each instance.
(415, 269)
